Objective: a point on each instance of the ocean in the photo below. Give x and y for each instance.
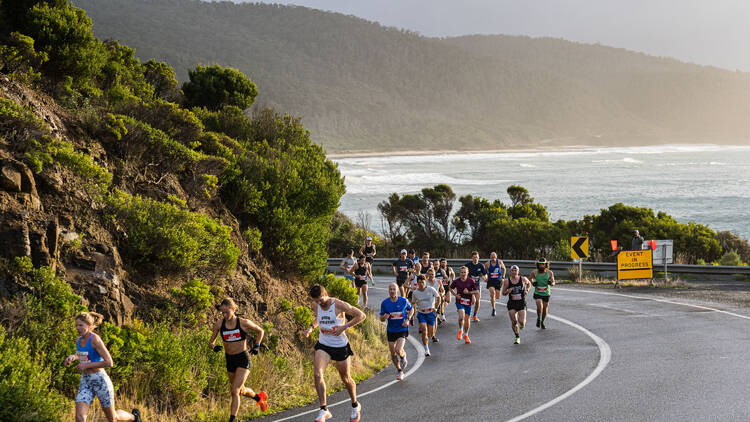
(707, 184)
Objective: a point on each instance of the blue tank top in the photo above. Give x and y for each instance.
(87, 353)
(495, 271)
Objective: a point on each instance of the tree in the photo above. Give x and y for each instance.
(214, 87)
(162, 77)
(519, 195)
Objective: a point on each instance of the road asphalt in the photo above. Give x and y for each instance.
(605, 356)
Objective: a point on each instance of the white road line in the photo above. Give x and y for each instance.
(420, 360)
(656, 299)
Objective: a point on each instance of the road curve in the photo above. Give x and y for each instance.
(669, 361)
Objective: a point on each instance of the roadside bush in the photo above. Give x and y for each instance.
(731, 258)
(339, 288)
(193, 299)
(170, 238)
(303, 316)
(25, 387)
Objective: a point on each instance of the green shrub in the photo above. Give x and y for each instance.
(339, 288)
(81, 164)
(731, 258)
(284, 304)
(170, 238)
(303, 316)
(214, 87)
(19, 60)
(15, 118)
(25, 390)
(193, 299)
(253, 238)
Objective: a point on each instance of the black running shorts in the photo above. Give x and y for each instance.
(516, 305)
(338, 354)
(544, 298)
(360, 283)
(393, 336)
(497, 285)
(240, 360)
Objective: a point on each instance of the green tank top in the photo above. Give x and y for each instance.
(542, 284)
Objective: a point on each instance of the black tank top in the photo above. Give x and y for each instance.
(424, 268)
(235, 334)
(368, 250)
(361, 271)
(517, 292)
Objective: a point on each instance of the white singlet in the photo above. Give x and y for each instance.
(327, 319)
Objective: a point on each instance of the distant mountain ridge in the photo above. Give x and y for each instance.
(363, 87)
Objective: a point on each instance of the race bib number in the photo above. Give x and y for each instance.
(403, 269)
(233, 335)
(326, 330)
(541, 289)
(515, 297)
(465, 301)
(83, 357)
(349, 267)
(396, 315)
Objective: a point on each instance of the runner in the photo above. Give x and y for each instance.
(397, 310)
(333, 345)
(478, 272)
(465, 289)
(92, 356)
(448, 276)
(361, 272)
(368, 250)
(402, 270)
(495, 275)
(237, 355)
(433, 282)
(516, 287)
(424, 297)
(413, 256)
(346, 265)
(543, 279)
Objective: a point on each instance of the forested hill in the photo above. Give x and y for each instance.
(360, 86)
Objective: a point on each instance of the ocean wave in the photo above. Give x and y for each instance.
(627, 160)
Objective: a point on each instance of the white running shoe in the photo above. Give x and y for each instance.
(427, 350)
(403, 361)
(323, 415)
(355, 413)
(400, 375)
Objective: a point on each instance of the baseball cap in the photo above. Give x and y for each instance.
(368, 238)
(403, 250)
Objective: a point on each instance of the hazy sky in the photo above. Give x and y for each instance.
(714, 32)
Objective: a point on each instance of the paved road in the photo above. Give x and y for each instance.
(669, 362)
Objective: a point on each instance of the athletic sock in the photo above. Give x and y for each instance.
(231, 418)
(255, 397)
(355, 404)
(323, 407)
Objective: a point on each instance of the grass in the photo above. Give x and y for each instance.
(590, 279)
(287, 379)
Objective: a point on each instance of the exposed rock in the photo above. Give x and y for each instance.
(10, 179)
(39, 252)
(14, 238)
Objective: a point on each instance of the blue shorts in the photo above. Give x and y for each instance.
(427, 318)
(465, 308)
(349, 277)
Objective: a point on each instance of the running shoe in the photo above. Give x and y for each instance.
(475, 319)
(427, 350)
(538, 322)
(439, 321)
(435, 339)
(400, 375)
(323, 415)
(520, 326)
(493, 312)
(402, 360)
(263, 402)
(460, 334)
(543, 327)
(442, 317)
(355, 413)
(466, 339)
(137, 415)
(518, 340)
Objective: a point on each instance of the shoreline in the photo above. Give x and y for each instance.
(516, 150)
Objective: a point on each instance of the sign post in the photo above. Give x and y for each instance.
(635, 264)
(663, 251)
(579, 250)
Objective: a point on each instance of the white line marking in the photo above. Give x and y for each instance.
(420, 360)
(657, 299)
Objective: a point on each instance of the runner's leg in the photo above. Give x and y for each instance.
(492, 297)
(364, 295)
(320, 362)
(82, 411)
(351, 386)
(423, 327)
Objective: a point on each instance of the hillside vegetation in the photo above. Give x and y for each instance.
(122, 194)
(360, 86)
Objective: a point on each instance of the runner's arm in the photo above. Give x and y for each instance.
(314, 324)
(214, 333)
(502, 265)
(100, 347)
(342, 266)
(369, 270)
(354, 312)
(528, 284)
(259, 332)
(506, 285)
(551, 278)
(532, 276)
(354, 268)
(393, 268)
(374, 250)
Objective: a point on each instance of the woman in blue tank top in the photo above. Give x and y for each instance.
(92, 356)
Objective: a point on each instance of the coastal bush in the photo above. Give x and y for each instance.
(193, 299)
(25, 387)
(214, 87)
(339, 288)
(15, 118)
(303, 316)
(346, 235)
(731, 258)
(170, 238)
(19, 60)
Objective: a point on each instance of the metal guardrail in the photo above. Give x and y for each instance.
(561, 267)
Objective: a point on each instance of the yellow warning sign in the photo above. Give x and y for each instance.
(635, 264)
(579, 247)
